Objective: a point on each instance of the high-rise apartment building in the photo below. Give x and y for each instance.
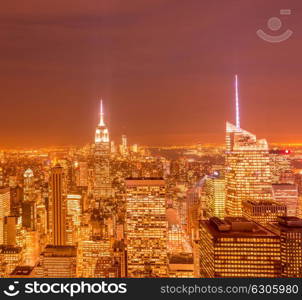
(237, 247)
(146, 227)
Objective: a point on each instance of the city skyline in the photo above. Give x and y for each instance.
(235, 103)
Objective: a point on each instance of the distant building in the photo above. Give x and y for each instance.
(181, 266)
(287, 194)
(124, 146)
(236, 247)
(9, 237)
(82, 174)
(22, 272)
(215, 195)
(58, 211)
(102, 182)
(290, 231)
(28, 189)
(247, 169)
(4, 209)
(29, 214)
(280, 166)
(10, 257)
(263, 212)
(32, 248)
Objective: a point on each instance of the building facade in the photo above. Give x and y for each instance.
(247, 169)
(237, 247)
(146, 227)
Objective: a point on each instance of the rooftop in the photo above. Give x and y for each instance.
(264, 202)
(152, 181)
(235, 227)
(59, 251)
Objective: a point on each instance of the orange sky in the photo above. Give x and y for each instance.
(163, 67)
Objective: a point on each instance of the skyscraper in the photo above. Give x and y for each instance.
(146, 227)
(28, 185)
(215, 195)
(58, 211)
(288, 195)
(236, 247)
(82, 174)
(29, 214)
(124, 146)
(9, 229)
(263, 212)
(290, 231)
(102, 182)
(247, 167)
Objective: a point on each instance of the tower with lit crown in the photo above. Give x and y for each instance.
(102, 183)
(28, 185)
(247, 166)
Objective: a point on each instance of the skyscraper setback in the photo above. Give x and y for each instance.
(248, 174)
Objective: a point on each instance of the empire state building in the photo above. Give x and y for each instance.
(102, 182)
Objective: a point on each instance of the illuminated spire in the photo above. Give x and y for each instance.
(237, 103)
(101, 132)
(101, 115)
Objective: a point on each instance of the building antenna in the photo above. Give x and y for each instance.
(237, 102)
(101, 114)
